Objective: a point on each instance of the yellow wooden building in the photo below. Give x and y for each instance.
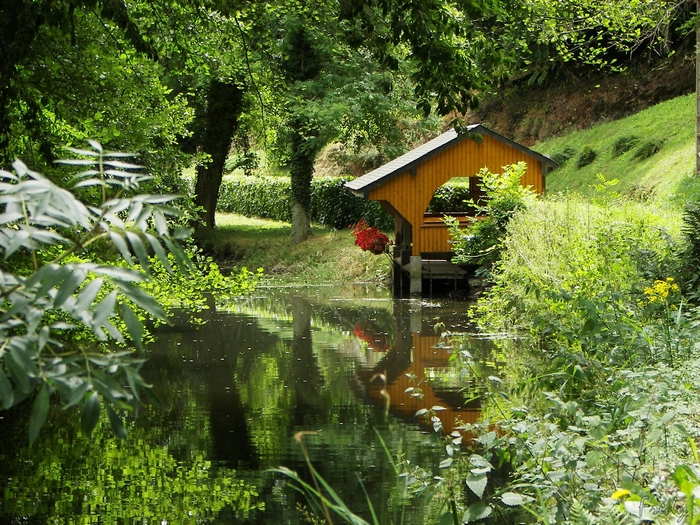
(405, 186)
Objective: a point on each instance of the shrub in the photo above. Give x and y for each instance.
(480, 243)
(624, 144)
(451, 196)
(647, 149)
(269, 198)
(561, 157)
(45, 303)
(587, 156)
(579, 258)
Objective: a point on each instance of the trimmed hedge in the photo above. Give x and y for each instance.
(269, 198)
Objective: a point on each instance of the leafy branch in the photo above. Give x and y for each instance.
(42, 308)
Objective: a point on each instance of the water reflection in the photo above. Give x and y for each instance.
(236, 391)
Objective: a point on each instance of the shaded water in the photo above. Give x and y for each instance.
(236, 391)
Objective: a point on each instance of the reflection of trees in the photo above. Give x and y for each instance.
(236, 390)
(67, 478)
(301, 383)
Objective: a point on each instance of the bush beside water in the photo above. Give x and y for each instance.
(595, 415)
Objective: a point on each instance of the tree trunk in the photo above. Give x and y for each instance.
(301, 226)
(301, 171)
(216, 123)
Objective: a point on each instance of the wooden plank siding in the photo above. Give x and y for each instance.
(410, 192)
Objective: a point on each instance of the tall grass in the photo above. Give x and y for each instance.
(572, 246)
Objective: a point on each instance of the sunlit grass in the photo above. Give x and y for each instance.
(664, 177)
(327, 256)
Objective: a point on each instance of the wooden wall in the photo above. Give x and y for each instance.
(410, 194)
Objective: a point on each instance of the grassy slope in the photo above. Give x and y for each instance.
(666, 177)
(327, 256)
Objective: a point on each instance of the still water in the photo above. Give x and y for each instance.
(344, 366)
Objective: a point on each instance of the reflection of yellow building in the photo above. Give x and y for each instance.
(403, 370)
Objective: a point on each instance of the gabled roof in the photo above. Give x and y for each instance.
(411, 160)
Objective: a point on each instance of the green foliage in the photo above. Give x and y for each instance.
(587, 416)
(586, 157)
(68, 478)
(690, 257)
(647, 149)
(624, 144)
(330, 203)
(39, 297)
(193, 288)
(480, 243)
(451, 196)
(562, 157)
(580, 252)
(591, 35)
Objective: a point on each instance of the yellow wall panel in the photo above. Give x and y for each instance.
(410, 194)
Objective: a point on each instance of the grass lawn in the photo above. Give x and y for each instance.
(327, 256)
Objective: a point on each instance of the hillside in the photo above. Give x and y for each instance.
(531, 113)
(651, 153)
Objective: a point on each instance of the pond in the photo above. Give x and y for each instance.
(347, 367)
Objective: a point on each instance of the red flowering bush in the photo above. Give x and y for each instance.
(369, 238)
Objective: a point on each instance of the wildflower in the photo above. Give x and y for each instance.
(661, 290)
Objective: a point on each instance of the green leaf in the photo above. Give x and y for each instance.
(49, 276)
(477, 483)
(133, 326)
(159, 251)
(446, 462)
(142, 299)
(140, 250)
(40, 409)
(477, 511)
(96, 145)
(17, 374)
(152, 397)
(7, 396)
(181, 258)
(91, 414)
(123, 274)
(70, 285)
(479, 461)
(23, 357)
(17, 239)
(104, 309)
(122, 247)
(446, 519)
(513, 499)
(87, 295)
(116, 422)
(77, 395)
(43, 337)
